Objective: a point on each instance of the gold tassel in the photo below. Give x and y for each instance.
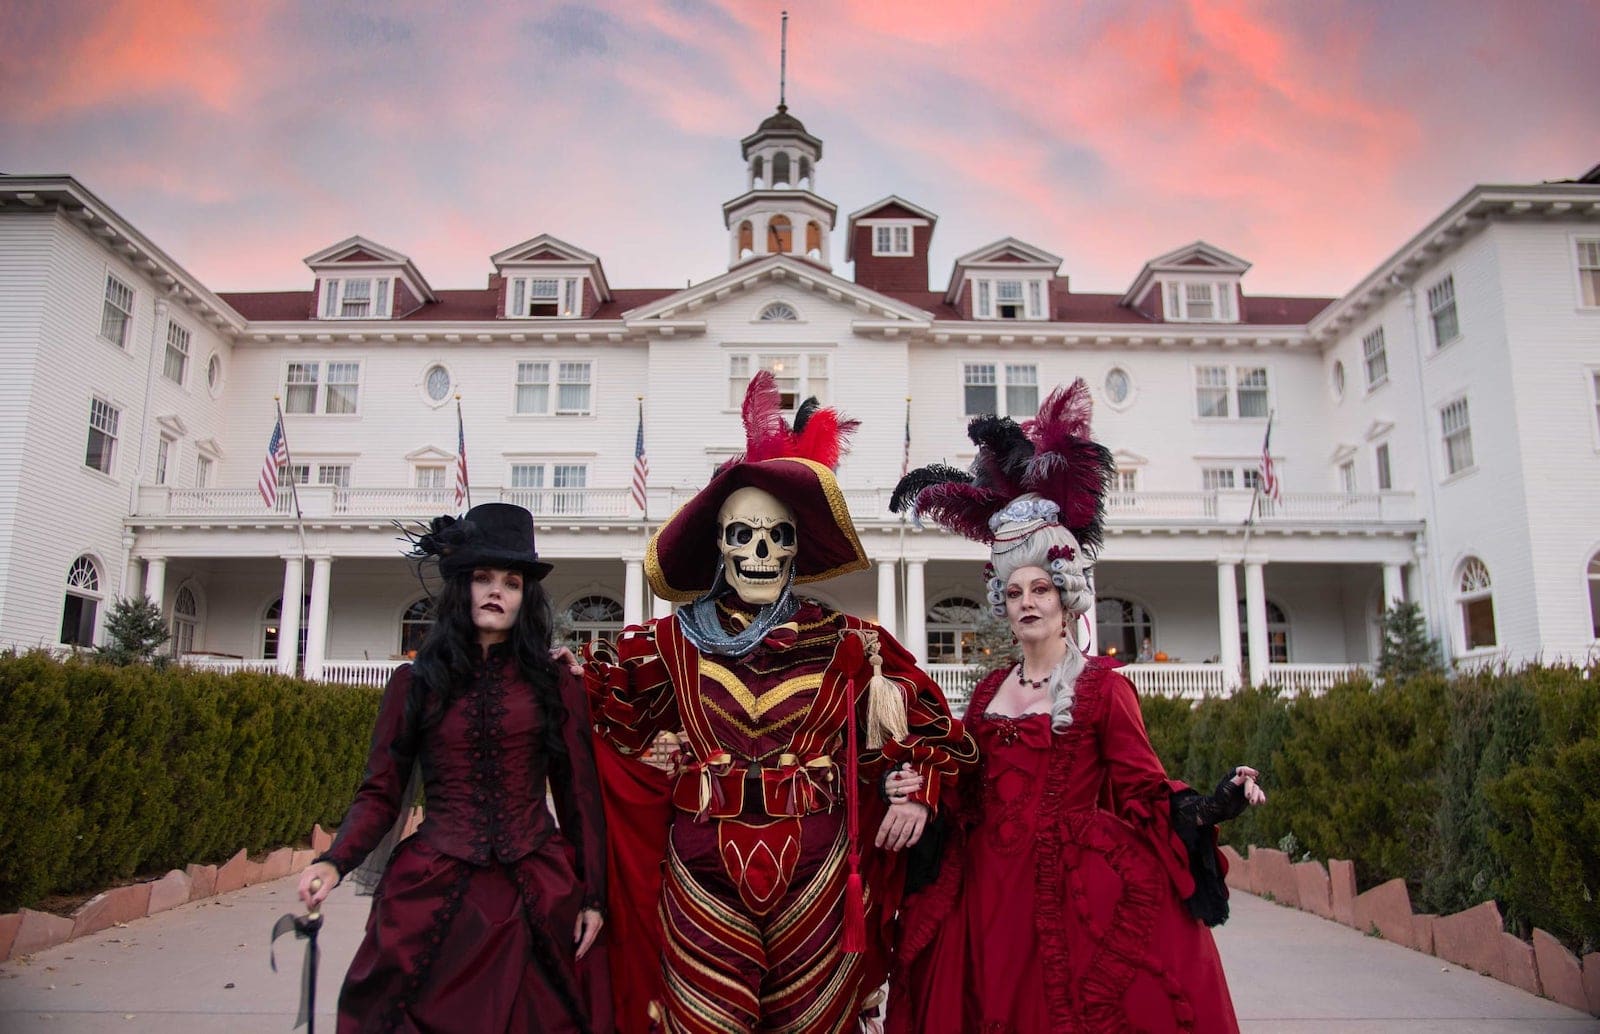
(886, 708)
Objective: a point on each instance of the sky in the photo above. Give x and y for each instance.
(1311, 139)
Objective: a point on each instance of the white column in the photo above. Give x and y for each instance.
(1228, 621)
(155, 580)
(294, 582)
(916, 639)
(1394, 585)
(1090, 643)
(317, 620)
(659, 607)
(1255, 612)
(886, 596)
(633, 591)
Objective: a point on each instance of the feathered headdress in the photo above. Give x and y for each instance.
(1051, 456)
(818, 434)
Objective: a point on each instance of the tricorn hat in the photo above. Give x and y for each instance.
(795, 465)
(496, 535)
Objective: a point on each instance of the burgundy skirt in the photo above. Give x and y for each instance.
(451, 946)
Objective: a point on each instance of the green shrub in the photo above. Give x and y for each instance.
(1244, 729)
(117, 771)
(1167, 721)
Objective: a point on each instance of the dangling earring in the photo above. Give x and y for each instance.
(1063, 627)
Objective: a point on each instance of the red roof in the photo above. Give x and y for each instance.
(482, 305)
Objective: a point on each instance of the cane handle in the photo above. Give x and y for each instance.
(316, 910)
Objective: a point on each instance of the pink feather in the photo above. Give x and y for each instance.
(963, 508)
(766, 434)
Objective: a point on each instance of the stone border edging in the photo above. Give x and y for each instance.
(27, 931)
(1473, 939)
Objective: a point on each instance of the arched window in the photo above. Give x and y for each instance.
(185, 621)
(1475, 599)
(814, 239)
(414, 622)
(1122, 626)
(1594, 594)
(780, 235)
(952, 630)
(1277, 634)
(82, 604)
(747, 238)
(779, 311)
(594, 617)
(758, 172)
(805, 172)
(780, 169)
(269, 629)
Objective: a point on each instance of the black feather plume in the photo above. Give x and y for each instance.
(905, 493)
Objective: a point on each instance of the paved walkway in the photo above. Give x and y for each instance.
(203, 968)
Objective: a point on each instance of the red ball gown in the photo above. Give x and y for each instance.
(1059, 905)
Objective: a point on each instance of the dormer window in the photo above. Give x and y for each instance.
(357, 298)
(1008, 299)
(1200, 302)
(544, 297)
(891, 240)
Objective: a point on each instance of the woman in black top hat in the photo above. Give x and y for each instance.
(481, 917)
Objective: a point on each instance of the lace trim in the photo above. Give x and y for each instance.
(438, 927)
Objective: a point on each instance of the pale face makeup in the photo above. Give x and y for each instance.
(1033, 606)
(496, 599)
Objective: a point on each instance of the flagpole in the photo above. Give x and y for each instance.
(303, 603)
(1255, 496)
(900, 561)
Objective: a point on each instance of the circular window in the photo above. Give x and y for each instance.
(1338, 379)
(214, 372)
(437, 383)
(1118, 386)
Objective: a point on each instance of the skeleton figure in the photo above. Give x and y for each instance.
(758, 544)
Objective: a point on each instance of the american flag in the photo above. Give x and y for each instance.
(905, 452)
(1269, 475)
(463, 486)
(277, 456)
(641, 464)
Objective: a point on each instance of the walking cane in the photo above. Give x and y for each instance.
(305, 928)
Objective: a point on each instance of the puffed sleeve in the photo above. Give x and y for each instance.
(389, 761)
(937, 745)
(1136, 781)
(630, 693)
(576, 789)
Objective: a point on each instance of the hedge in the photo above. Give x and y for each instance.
(118, 771)
(1470, 788)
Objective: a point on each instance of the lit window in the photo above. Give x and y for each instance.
(798, 376)
(415, 621)
(82, 602)
(1376, 358)
(175, 366)
(1211, 390)
(1442, 312)
(102, 447)
(1277, 634)
(1123, 627)
(1457, 429)
(1589, 273)
(953, 630)
(117, 315)
(1385, 477)
(1475, 600)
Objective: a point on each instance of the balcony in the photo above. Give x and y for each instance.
(332, 501)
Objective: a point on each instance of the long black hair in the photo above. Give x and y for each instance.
(450, 654)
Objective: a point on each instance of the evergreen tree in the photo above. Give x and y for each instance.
(135, 630)
(993, 646)
(1408, 650)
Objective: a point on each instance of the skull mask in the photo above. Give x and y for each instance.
(757, 543)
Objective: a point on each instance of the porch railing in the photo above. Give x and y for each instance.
(228, 665)
(956, 682)
(359, 673)
(1182, 681)
(1313, 679)
(335, 501)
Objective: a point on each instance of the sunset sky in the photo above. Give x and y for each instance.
(1310, 139)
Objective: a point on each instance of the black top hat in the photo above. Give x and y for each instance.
(488, 535)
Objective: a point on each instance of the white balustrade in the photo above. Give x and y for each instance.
(360, 673)
(956, 682)
(1313, 679)
(1184, 681)
(229, 665)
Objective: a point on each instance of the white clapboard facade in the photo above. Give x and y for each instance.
(1435, 432)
